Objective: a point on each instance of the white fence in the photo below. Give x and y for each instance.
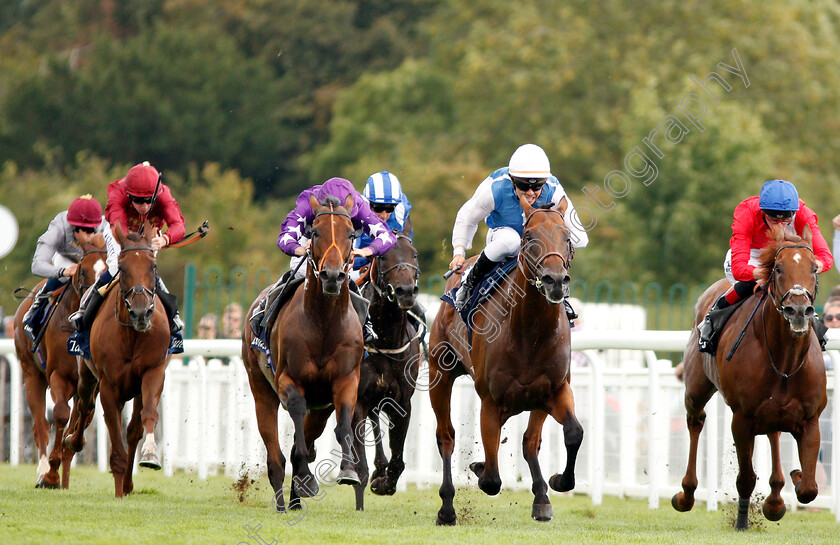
(635, 441)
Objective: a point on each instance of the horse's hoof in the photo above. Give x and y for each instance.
(305, 488)
(477, 468)
(42, 483)
(491, 487)
(150, 461)
(773, 515)
(795, 476)
(445, 519)
(675, 503)
(381, 487)
(560, 483)
(348, 476)
(541, 512)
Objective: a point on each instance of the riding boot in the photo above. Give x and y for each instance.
(820, 329)
(418, 314)
(570, 312)
(258, 318)
(482, 266)
(34, 316)
(708, 335)
(361, 305)
(170, 305)
(82, 319)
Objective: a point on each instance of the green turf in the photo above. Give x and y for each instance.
(185, 509)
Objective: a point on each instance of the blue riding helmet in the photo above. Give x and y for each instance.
(778, 195)
(383, 188)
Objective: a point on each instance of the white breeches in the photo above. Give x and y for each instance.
(727, 263)
(502, 242)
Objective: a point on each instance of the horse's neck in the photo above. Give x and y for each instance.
(531, 316)
(389, 319)
(319, 307)
(787, 350)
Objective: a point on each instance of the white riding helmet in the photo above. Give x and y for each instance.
(529, 161)
(383, 188)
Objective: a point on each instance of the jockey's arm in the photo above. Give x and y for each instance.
(47, 245)
(112, 248)
(476, 209)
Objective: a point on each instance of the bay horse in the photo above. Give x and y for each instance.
(316, 346)
(59, 371)
(129, 340)
(389, 373)
(775, 381)
(519, 359)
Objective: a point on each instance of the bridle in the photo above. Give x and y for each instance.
(129, 294)
(525, 265)
(796, 289)
(389, 292)
(78, 278)
(347, 260)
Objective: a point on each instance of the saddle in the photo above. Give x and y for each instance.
(264, 315)
(483, 290)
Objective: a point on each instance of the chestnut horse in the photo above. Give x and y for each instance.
(60, 374)
(129, 339)
(316, 345)
(774, 382)
(389, 373)
(519, 359)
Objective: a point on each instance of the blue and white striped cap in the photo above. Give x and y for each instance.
(384, 188)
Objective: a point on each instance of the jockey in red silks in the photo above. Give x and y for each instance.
(140, 196)
(57, 253)
(778, 203)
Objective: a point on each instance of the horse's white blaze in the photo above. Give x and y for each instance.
(43, 465)
(149, 446)
(797, 257)
(99, 267)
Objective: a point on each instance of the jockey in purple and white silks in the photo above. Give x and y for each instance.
(294, 233)
(497, 202)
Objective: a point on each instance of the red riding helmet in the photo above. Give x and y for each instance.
(84, 212)
(141, 180)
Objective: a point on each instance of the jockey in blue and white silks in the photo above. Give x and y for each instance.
(497, 202)
(383, 192)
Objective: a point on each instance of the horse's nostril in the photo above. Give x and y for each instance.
(548, 279)
(341, 276)
(416, 290)
(809, 311)
(789, 310)
(323, 276)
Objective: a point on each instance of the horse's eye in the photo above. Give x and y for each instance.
(528, 236)
(778, 269)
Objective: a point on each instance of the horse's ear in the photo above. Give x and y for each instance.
(525, 206)
(407, 229)
(118, 233)
(779, 233)
(348, 203)
(313, 203)
(564, 204)
(807, 235)
(148, 231)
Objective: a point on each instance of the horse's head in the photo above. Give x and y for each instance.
(332, 242)
(92, 263)
(789, 267)
(138, 272)
(546, 250)
(397, 272)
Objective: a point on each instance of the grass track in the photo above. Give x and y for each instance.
(186, 510)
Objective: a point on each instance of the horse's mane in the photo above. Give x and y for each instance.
(331, 200)
(134, 236)
(781, 237)
(545, 206)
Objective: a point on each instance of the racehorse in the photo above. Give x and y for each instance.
(316, 345)
(774, 382)
(60, 370)
(129, 339)
(389, 373)
(519, 359)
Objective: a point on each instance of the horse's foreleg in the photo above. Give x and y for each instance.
(266, 404)
(808, 444)
(112, 409)
(531, 440)
(35, 385)
(359, 436)
(745, 482)
(487, 471)
(399, 419)
(304, 484)
(61, 390)
(697, 393)
(440, 397)
(774, 505)
(85, 402)
(344, 400)
(150, 390)
(563, 411)
(133, 433)
(380, 461)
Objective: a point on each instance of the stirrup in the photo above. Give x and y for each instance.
(77, 319)
(368, 333)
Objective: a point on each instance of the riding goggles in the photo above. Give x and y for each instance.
(526, 184)
(779, 214)
(140, 200)
(88, 230)
(381, 207)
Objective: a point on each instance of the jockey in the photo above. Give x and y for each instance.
(57, 253)
(497, 202)
(294, 233)
(139, 197)
(384, 194)
(778, 203)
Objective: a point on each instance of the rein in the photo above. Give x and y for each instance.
(536, 282)
(311, 260)
(202, 231)
(134, 290)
